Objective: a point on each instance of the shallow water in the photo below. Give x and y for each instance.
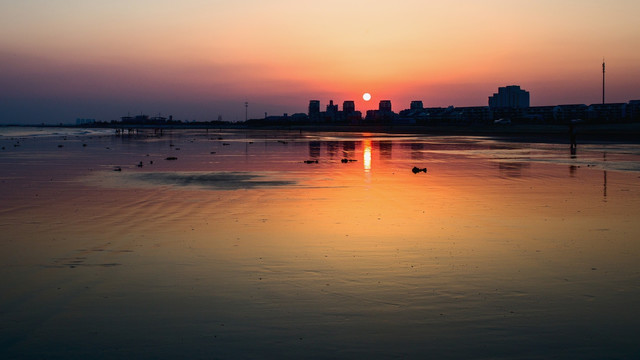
(240, 249)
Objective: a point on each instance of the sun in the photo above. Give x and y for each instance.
(366, 96)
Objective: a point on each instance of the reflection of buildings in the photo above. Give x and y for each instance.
(371, 154)
(417, 152)
(348, 149)
(361, 151)
(512, 169)
(385, 148)
(332, 148)
(314, 149)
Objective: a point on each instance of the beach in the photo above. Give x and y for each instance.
(241, 243)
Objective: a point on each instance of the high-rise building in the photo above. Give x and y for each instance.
(314, 110)
(385, 106)
(331, 108)
(416, 105)
(348, 107)
(509, 97)
(314, 107)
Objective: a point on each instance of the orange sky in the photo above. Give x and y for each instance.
(201, 59)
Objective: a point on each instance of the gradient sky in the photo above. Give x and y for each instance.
(198, 59)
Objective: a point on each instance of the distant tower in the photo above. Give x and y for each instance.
(331, 108)
(603, 80)
(510, 97)
(314, 107)
(246, 110)
(384, 106)
(349, 106)
(314, 110)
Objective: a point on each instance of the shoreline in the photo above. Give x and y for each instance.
(586, 133)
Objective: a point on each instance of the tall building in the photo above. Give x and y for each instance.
(348, 107)
(416, 105)
(509, 97)
(314, 110)
(385, 106)
(314, 107)
(331, 108)
(634, 110)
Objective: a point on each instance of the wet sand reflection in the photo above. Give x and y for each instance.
(247, 251)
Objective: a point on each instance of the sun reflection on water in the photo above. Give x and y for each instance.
(367, 155)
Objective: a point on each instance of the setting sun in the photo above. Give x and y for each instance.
(366, 96)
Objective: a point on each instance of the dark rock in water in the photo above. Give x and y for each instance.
(213, 152)
(171, 158)
(140, 164)
(225, 144)
(344, 161)
(417, 170)
(60, 146)
(84, 145)
(117, 169)
(311, 161)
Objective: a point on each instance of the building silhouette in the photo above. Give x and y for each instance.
(511, 104)
(331, 107)
(349, 114)
(331, 115)
(314, 110)
(348, 107)
(383, 115)
(416, 105)
(509, 97)
(384, 106)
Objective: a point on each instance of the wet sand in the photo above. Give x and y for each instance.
(240, 249)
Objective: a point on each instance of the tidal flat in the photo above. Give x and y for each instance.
(231, 244)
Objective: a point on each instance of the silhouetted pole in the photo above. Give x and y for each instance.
(246, 111)
(603, 81)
